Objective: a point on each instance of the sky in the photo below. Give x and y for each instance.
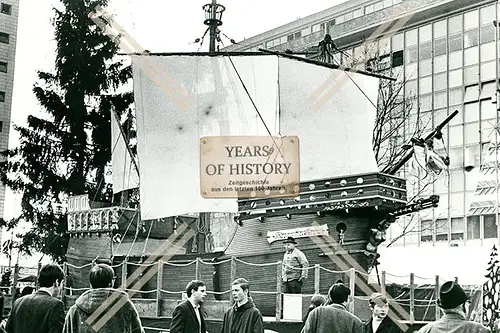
(156, 25)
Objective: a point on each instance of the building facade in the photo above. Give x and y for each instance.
(9, 13)
(444, 52)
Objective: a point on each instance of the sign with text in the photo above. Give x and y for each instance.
(321, 230)
(249, 166)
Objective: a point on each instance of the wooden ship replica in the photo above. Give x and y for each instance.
(337, 220)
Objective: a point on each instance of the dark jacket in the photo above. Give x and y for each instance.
(184, 319)
(38, 312)
(453, 323)
(386, 326)
(119, 315)
(332, 318)
(243, 319)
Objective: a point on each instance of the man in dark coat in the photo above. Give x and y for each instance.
(334, 318)
(40, 312)
(187, 317)
(243, 317)
(380, 322)
(103, 309)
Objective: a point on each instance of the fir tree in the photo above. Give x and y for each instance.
(491, 289)
(65, 151)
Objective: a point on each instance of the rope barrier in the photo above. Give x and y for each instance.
(117, 265)
(219, 292)
(76, 289)
(171, 292)
(332, 271)
(140, 291)
(78, 267)
(179, 265)
(137, 264)
(251, 264)
(215, 263)
(161, 330)
(399, 276)
(264, 292)
(423, 278)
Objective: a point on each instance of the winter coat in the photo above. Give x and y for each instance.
(332, 318)
(453, 323)
(243, 319)
(118, 314)
(386, 326)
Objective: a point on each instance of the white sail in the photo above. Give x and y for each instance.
(183, 98)
(124, 173)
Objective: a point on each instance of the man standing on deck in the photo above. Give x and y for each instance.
(187, 317)
(294, 271)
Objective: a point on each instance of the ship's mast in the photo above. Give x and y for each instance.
(213, 18)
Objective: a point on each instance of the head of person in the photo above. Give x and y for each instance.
(339, 294)
(290, 244)
(240, 290)
(452, 297)
(317, 300)
(379, 304)
(102, 276)
(50, 278)
(196, 291)
(28, 290)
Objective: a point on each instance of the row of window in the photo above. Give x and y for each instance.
(478, 227)
(337, 20)
(5, 8)
(4, 38)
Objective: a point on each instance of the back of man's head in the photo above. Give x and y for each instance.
(339, 293)
(49, 274)
(101, 276)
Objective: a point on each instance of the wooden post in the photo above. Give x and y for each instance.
(383, 288)
(412, 298)
(279, 298)
(317, 272)
(352, 286)
(63, 288)
(197, 269)
(124, 275)
(159, 279)
(233, 277)
(436, 292)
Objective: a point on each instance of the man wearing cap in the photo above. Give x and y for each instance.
(294, 268)
(452, 299)
(380, 322)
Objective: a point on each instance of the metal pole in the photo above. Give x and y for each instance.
(213, 27)
(495, 23)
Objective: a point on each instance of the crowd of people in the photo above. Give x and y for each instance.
(107, 310)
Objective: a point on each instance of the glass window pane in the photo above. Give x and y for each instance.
(471, 93)
(490, 226)
(456, 135)
(441, 185)
(471, 20)
(471, 133)
(457, 228)
(456, 96)
(425, 33)
(426, 228)
(457, 180)
(425, 102)
(471, 112)
(487, 15)
(440, 29)
(471, 56)
(440, 81)
(488, 71)
(411, 71)
(472, 227)
(425, 50)
(397, 42)
(411, 54)
(471, 38)
(472, 157)
(455, 78)
(459, 118)
(457, 204)
(487, 111)
(440, 46)
(455, 24)
(455, 60)
(488, 52)
(425, 68)
(471, 74)
(441, 227)
(379, 6)
(440, 100)
(488, 90)
(456, 160)
(410, 88)
(487, 33)
(455, 42)
(425, 85)
(440, 63)
(411, 37)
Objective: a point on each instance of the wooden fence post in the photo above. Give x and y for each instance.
(317, 272)
(279, 298)
(412, 298)
(159, 279)
(63, 291)
(436, 292)
(124, 275)
(233, 276)
(383, 288)
(352, 286)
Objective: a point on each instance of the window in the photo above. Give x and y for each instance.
(488, 90)
(488, 52)
(455, 24)
(473, 227)
(425, 33)
(426, 227)
(369, 9)
(471, 38)
(490, 226)
(487, 33)
(440, 63)
(397, 42)
(471, 133)
(440, 29)
(471, 20)
(456, 136)
(471, 74)
(358, 13)
(411, 54)
(397, 58)
(471, 112)
(471, 93)
(487, 15)
(348, 16)
(3, 67)
(425, 50)
(425, 85)
(488, 71)
(457, 228)
(298, 35)
(425, 68)
(456, 96)
(455, 42)
(440, 46)
(440, 100)
(425, 105)
(457, 180)
(487, 112)
(411, 37)
(471, 56)
(440, 82)
(455, 60)
(455, 78)
(4, 38)
(6, 9)
(289, 37)
(441, 229)
(2, 96)
(378, 6)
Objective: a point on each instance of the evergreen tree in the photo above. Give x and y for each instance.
(65, 151)
(491, 289)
